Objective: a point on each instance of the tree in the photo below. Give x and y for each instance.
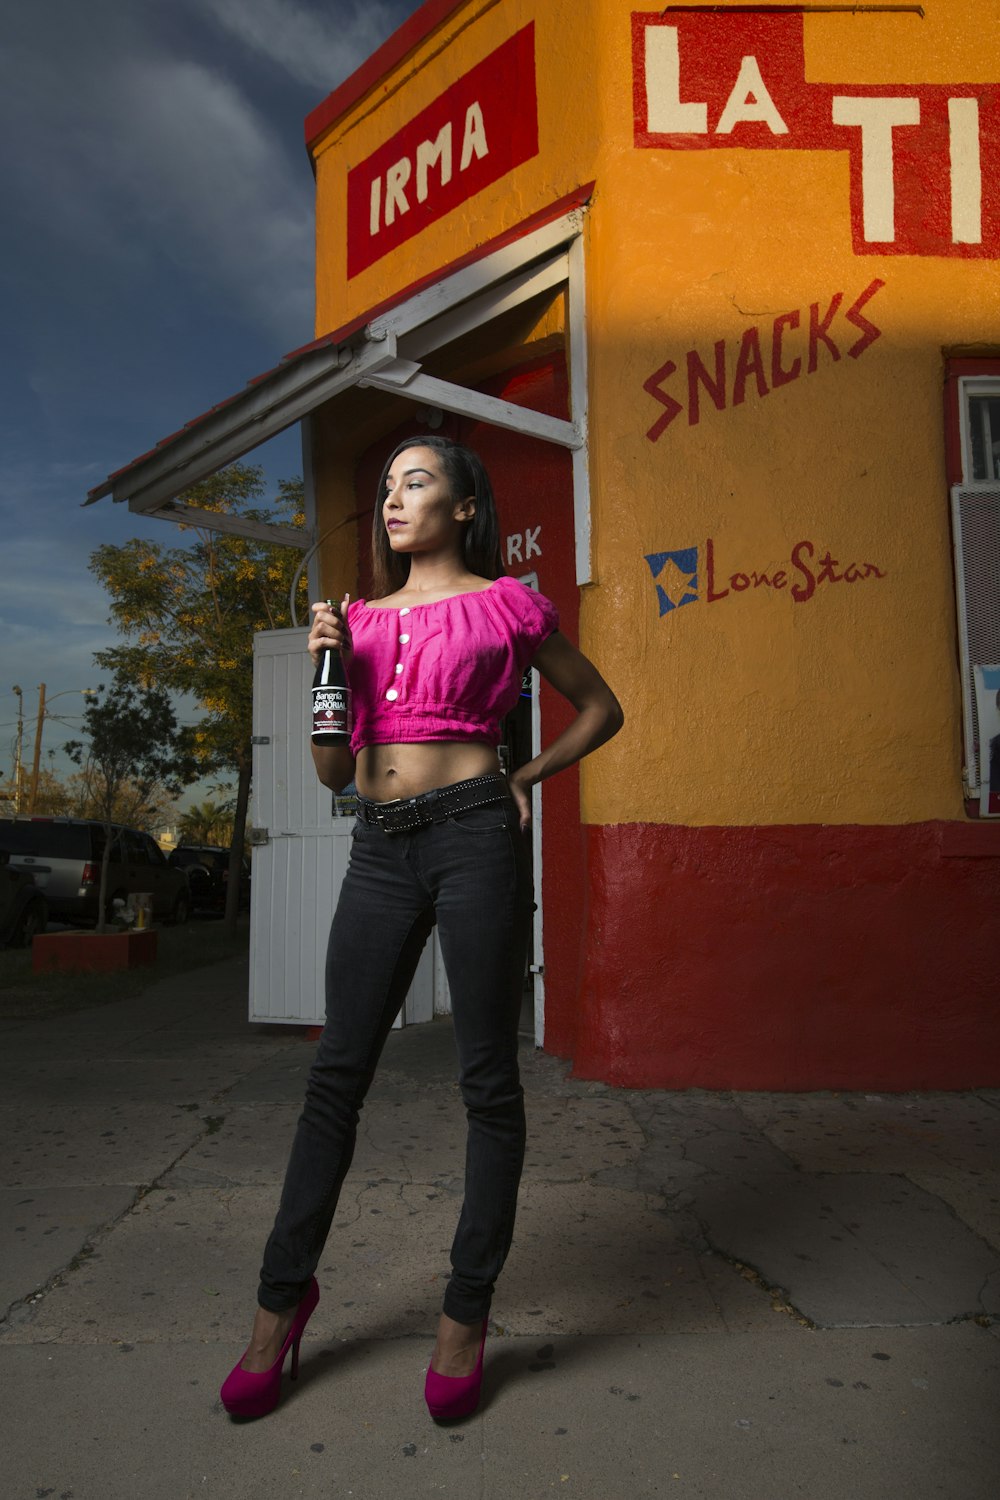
(133, 750)
(53, 796)
(207, 822)
(139, 808)
(191, 614)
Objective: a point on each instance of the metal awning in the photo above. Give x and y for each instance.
(386, 353)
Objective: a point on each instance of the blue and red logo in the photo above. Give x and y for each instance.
(678, 575)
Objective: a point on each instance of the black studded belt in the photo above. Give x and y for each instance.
(433, 807)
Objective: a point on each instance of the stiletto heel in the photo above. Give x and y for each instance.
(452, 1396)
(252, 1393)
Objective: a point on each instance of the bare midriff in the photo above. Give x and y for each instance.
(386, 773)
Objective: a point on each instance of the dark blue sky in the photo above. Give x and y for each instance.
(157, 252)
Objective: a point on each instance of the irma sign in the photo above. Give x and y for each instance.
(473, 134)
(924, 158)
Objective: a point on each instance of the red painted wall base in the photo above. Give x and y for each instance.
(92, 952)
(786, 958)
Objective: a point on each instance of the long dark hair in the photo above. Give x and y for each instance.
(466, 476)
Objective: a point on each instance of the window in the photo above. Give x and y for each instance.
(981, 430)
(973, 451)
(154, 854)
(138, 850)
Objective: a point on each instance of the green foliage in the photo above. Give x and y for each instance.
(190, 613)
(133, 750)
(207, 822)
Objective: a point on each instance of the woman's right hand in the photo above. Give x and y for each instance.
(329, 629)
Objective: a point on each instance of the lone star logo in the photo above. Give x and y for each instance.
(676, 577)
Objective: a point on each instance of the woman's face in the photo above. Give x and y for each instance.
(419, 512)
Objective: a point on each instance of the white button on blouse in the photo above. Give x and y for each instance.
(403, 639)
(392, 695)
(405, 610)
(399, 667)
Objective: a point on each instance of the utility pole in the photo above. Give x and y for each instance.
(33, 792)
(17, 750)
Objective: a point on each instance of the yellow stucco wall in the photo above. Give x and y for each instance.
(568, 133)
(752, 709)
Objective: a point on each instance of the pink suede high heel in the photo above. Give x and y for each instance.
(250, 1393)
(452, 1396)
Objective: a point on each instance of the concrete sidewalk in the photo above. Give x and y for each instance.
(735, 1297)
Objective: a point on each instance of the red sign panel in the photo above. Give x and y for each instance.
(924, 158)
(479, 129)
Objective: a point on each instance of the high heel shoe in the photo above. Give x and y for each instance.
(252, 1393)
(451, 1396)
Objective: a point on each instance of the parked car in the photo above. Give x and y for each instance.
(207, 868)
(63, 857)
(23, 909)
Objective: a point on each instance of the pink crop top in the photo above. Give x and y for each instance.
(443, 671)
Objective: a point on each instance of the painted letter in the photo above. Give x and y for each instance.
(429, 153)
(779, 375)
(869, 333)
(877, 119)
(671, 407)
(514, 548)
(395, 198)
(803, 591)
(749, 363)
(716, 388)
(739, 582)
(780, 579)
(710, 573)
(375, 207)
(474, 140)
(531, 547)
(827, 566)
(665, 114)
(750, 100)
(966, 172)
(818, 330)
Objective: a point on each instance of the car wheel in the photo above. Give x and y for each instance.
(33, 920)
(182, 908)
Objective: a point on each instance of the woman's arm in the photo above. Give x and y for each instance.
(334, 763)
(598, 716)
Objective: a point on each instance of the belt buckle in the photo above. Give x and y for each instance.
(380, 810)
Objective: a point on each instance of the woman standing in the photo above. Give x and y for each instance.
(434, 661)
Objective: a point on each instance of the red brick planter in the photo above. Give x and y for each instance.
(92, 952)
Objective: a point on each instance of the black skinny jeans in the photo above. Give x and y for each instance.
(471, 874)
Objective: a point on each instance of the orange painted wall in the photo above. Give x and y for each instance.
(753, 709)
(843, 708)
(566, 41)
(775, 894)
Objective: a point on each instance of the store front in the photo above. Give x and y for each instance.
(714, 292)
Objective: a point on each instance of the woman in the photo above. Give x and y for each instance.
(433, 664)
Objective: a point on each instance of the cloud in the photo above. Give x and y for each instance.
(214, 185)
(158, 251)
(316, 47)
(142, 153)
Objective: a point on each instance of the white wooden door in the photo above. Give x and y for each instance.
(301, 851)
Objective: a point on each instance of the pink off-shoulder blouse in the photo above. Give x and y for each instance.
(449, 670)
